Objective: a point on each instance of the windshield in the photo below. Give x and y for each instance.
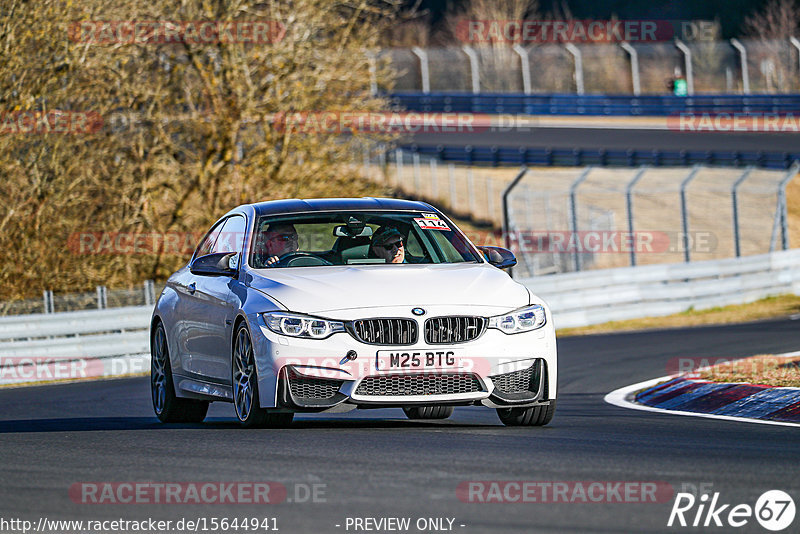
(357, 238)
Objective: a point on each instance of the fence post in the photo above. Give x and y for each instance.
(573, 207)
(382, 163)
(793, 170)
(424, 72)
(526, 68)
(434, 179)
(49, 307)
(367, 166)
(473, 67)
(687, 62)
(398, 165)
(490, 198)
(734, 198)
(506, 215)
(795, 43)
(417, 178)
(685, 213)
(629, 205)
(743, 58)
(576, 55)
(149, 293)
(637, 87)
(471, 190)
(373, 72)
(451, 172)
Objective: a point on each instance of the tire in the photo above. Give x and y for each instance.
(244, 386)
(534, 416)
(169, 408)
(428, 412)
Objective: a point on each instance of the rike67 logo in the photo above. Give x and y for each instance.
(774, 510)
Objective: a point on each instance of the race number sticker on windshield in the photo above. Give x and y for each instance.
(432, 224)
(430, 215)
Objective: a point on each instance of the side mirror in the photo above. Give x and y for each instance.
(502, 258)
(218, 264)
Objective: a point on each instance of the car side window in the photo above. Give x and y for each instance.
(231, 237)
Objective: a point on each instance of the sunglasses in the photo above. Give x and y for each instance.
(285, 238)
(393, 245)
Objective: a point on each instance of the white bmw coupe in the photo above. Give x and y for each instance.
(339, 304)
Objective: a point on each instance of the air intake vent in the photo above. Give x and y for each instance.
(449, 330)
(400, 385)
(524, 380)
(303, 387)
(385, 331)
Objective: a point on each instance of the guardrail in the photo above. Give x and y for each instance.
(74, 345)
(610, 105)
(497, 156)
(593, 297)
(114, 342)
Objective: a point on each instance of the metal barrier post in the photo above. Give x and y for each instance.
(473, 67)
(48, 301)
(743, 57)
(382, 163)
(637, 88)
(687, 62)
(629, 206)
(573, 207)
(736, 185)
(576, 55)
(526, 68)
(102, 301)
(424, 71)
(685, 213)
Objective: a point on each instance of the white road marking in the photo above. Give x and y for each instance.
(622, 397)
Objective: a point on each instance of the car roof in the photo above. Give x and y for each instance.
(282, 207)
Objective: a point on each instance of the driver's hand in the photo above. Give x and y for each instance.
(272, 261)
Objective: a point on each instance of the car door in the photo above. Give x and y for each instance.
(209, 310)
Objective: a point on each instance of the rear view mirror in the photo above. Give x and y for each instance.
(218, 264)
(502, 258)
(345, 231)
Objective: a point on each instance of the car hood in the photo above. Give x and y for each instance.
(324, 289)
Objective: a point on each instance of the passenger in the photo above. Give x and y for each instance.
(279, 240)
(387, 244)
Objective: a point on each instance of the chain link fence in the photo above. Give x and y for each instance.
(569, 219)
(736, 66)
(101, 298)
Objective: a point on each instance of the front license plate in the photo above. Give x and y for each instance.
(418, 359)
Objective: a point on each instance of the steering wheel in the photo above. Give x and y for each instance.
(301, 259)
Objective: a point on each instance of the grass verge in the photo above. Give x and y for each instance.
(766, 369)
(767, 308)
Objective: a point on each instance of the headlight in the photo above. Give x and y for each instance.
(522, 320)
(296, 325)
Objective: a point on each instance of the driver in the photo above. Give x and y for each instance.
(387, 243)
(279, 239)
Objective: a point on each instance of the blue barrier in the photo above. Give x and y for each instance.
(507, 156)
(618, 105)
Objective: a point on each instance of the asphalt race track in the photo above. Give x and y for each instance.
(378, 464)
(614, 139)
